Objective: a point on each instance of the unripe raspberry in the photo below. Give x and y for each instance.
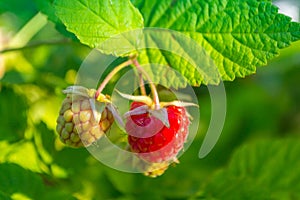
(77, 124)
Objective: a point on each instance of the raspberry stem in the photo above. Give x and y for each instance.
(142, 85)
(152, 85)
(110, 75)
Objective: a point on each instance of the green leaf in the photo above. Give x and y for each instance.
(122, 181)
(4, 196)
(57, 193)
(68, 154)
(15, 179)
(237, 35)
(47, 8)
(204, 41)
(24, 10)
(164, 74)
(13, 77)
(47, 137)
(14, 108)
(268, 169)
(95, 21)
(22, 153)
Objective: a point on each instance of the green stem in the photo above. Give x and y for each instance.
(110, 75)
(30, 29)
(152, 85)
(36, 44)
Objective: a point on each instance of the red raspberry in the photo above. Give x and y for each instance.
(165, 143)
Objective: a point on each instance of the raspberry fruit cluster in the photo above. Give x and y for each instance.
(156, 131)
(77, 125)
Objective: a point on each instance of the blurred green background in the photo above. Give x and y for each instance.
(256, 157)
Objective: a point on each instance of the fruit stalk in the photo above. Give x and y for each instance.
(152, 85)
(142, 85)
(111, 74)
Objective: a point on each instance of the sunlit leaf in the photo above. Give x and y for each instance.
(47, 8)
(95, 21)
(237, 35)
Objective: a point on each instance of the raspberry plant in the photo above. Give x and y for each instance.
(213, 41)
(249, 33)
